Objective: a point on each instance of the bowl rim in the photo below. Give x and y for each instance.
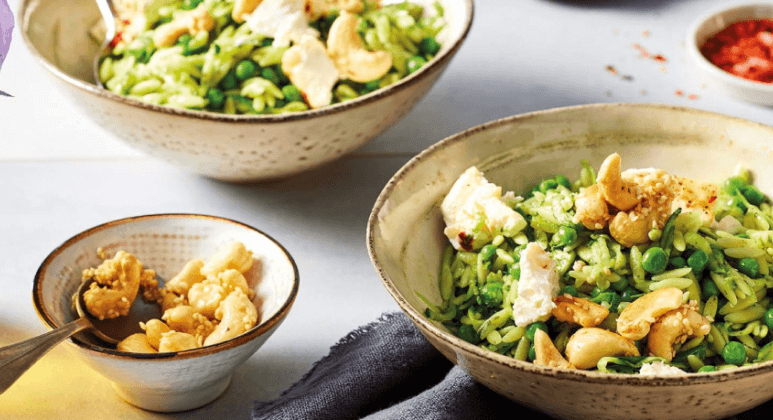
(245, 337)
(438, 62)
(694, 50)
(428, 327)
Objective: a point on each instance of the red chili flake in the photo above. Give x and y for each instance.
(116, 39)
(611, 69)
(712, 199)
(744, 49)
(679, 92)
(465, 241)
(692, 96)
(659, 58)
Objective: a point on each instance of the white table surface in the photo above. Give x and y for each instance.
(61, 174)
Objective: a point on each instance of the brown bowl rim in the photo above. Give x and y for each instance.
(253, 333)
(437, 62)
(427, 327)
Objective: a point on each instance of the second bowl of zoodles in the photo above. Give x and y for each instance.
(637, 271)
(269, 56)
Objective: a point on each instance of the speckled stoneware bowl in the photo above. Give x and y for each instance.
(229, 148)
(405, 240)
(168, 381)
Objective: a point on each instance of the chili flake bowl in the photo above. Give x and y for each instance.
(174, 381)
(235, 148)
(707, 26)
(405, 242)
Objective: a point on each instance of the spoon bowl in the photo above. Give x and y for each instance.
(107, 10)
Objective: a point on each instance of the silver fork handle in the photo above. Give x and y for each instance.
(17, 358)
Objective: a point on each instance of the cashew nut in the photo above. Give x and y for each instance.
(591, 209)
(176, 341)
(351, 59)
(205, 297)
(242, 8)
(190, 22)
(316, 8)
(116, 284)
(135, 343)
(171, 300)
(619, 193)
(635, 320)
(309, 68)
(579, 311)
(588, 345)
(186, 319)
(237, 314)
(546, 352)
(232, 256)
(630, 229)
(187, 277)
(674, 327)
(154, 328)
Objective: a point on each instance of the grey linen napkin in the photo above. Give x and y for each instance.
(387, 370)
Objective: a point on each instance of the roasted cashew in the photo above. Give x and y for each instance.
(635, 320)
(237, 314)
(616, 191)
(588, 345)
(546, 352)
(232, 256)
(591, 209)
(187, 277)
(177, 341)
(171, 300)
(190, 22)
(116, 284)
(205, 297)
(316, 8)
(242, 8)
(675, 327)
(154, 328)
(135, 343)
(309, 68)
(579, 311)
(185, 319)
(630, 229)
(351, 59)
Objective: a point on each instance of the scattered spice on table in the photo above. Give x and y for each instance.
(744, 49)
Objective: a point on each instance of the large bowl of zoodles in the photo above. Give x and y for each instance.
(244, 90)
(597, 261)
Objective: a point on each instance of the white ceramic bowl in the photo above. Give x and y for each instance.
(165, 242)
(225, 147)
(709, 25)
(405, 241)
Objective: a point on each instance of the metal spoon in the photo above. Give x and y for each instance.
(17, 358)
(108, 15)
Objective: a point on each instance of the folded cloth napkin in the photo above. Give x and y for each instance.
(387, 370)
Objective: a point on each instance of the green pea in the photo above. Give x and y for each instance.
(292, 93)
(734, 353)
(270, 75)
(533, 327)
(548, 185)
(191, 4)
(562, 180)
(564, 236)
(371, 86)
(707, 368)
(708, 289)
(753, 195)
(735, 184)
(468, 334)
(749, 266)
(698, 261)
(654, 260)
(414, 63)
(677, 262)
(245, 69)
(769, 318)
(738, 203)
(216, 98)
(620, 285)
(429, 46)
(229, 81)
(568, 290)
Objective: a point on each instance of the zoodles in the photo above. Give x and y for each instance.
(662, 274)
(266, 57)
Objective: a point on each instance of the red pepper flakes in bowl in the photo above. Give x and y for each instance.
(744, 49)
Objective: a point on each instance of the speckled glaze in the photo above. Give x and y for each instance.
(168, 381)
(706, 27)
(229, 148)
(405, 241)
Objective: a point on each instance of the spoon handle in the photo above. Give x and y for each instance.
(17, 358)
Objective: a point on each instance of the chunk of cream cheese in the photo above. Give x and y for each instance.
(309, 68)
(537, 286)
(283, 20)
(472, 198)
(659, 368)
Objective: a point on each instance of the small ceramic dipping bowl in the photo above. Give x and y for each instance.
(173, 381)
(405, 240)
(706, 27)
(236, 148)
